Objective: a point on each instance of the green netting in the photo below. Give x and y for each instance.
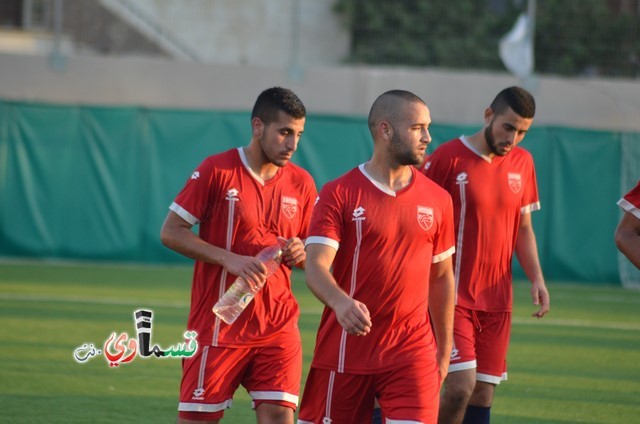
(79, 182)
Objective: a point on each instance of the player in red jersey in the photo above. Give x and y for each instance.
(493, 185)
(379, 257)
(243, 199)
(628, 232)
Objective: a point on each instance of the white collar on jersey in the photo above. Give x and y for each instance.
(466, 142)
(245, 162)
(379, 186)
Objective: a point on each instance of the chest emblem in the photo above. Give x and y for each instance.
(289, 206)
(425, 217)
(515, 182)
(358, 214)
(232, 195)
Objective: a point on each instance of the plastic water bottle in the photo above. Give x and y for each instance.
(238, 296)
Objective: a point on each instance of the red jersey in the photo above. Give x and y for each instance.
(489, 196)
(385, 242)
(238, 211)
(631, 201)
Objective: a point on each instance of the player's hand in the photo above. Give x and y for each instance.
(443, 360)
(540, 296)
(293, 252)
(248, 268)
(353, 316)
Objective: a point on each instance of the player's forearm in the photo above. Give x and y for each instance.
(441, 309)
(527, 252)
(629, 244)
(627, 238)
(322, 284)
(185, 242)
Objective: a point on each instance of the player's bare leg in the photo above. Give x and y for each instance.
(479, 407)
(482, 394)
(458, 389)
(269, 413)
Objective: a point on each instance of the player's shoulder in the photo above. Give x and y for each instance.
(299, 172)
(447, 146)
(219, 163)
(445, 151)
(344, 182)
(522, 155)
(522, 152)
(427, 185)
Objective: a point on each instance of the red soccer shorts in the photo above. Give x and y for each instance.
(409, 393)
(481, 341)
(210, 378)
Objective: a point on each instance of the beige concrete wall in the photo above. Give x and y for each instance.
(454, 97)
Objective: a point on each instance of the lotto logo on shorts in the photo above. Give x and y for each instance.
(289, 206)
(425, 217)
(455, 354)
(198, 394)
(515, 182)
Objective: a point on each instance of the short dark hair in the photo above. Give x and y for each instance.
(386, 107)
(516, 98)
(275, 99)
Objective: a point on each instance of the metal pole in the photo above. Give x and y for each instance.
(27, 10)
(57, 60)
(531, 13)
(295, 70)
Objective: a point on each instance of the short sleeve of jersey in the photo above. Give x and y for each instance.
(310, 196)
(192, 201)
(631, 201)
(443, 246)
(326, 219)
(530, 200)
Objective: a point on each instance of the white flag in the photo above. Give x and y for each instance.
(516, 48)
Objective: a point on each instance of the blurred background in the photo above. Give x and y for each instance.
(106, 106)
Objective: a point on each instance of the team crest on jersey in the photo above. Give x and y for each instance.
(289, 206)
(515, 182)
(425, 217)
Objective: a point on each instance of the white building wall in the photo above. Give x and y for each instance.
(247, 32)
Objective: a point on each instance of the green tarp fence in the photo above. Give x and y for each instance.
(94, 183)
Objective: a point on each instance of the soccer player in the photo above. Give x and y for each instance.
(244, 199)
(628, 232)
(379, 257)
(493, 185)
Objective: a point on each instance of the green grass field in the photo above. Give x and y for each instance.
(579, 364)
